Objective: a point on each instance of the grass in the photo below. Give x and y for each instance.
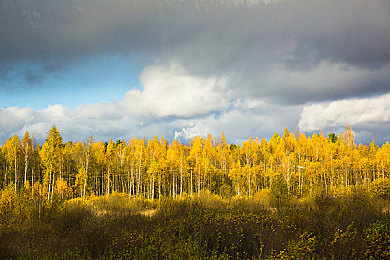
(345, 226)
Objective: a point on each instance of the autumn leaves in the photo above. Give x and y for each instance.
(157, 168)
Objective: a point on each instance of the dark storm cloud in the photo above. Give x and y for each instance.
(65, 30)
(251, 44)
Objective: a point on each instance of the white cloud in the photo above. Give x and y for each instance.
(246, 118)
(177, 104)
(169, 100)
(172, 91)
(365, 112)
(172, 102)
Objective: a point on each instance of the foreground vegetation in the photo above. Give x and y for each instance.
(292, 197)
(353, 224)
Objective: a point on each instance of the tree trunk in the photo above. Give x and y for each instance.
(199, 181)
(16, 173)
(85, 185)
(132, 181)
(32, 181)
(128, 182)
(249, 182)
(49, 188)
(159, 186)
(181, 178)
(173, 184)
(25, 167)
(139, 181)
(153, 188)
(102, 182)
(238, 187)
(52, 187)
(192, 191)
(108, 182)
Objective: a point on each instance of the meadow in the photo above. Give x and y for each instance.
(353, 224)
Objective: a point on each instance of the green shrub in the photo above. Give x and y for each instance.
(378, 241)
(347, 244)
(302, 248)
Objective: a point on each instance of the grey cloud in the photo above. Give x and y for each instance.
(210, 38)
(286, 53)
(51, 67)
(33, 78)
(324, 82)
(352, 32)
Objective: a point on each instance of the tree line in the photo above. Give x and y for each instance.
(156, 168)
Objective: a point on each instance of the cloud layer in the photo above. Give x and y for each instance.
(178, 105)
(171, 102)
(369, 114)
(259, 46)
(246, 67)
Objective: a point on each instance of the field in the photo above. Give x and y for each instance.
(349, 225)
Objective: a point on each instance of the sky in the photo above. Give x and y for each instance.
(134, 68)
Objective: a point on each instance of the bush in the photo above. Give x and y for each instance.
(226, 191)
(302, 248)
(208, 227)
(279, 191)
(381, 188)
(347, 244)
(263, 197)
(378, 241)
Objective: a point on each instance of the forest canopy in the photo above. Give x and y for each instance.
(157, 168)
